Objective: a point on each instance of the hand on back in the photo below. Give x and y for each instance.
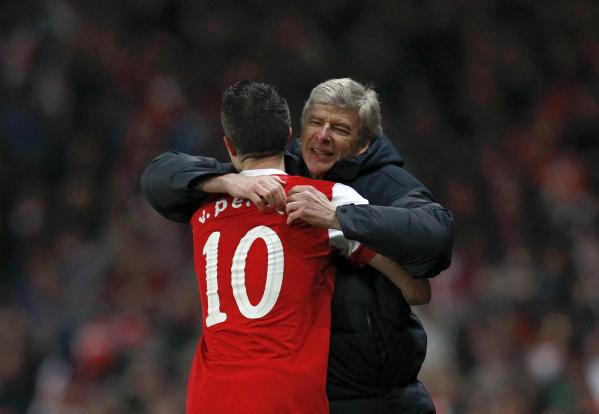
(306, 203)
(265, 191)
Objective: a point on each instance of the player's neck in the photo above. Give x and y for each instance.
(274, 161)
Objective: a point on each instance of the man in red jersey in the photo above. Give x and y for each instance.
(266, 286)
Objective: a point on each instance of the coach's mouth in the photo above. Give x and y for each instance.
(322, 153)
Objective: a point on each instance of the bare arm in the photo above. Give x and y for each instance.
(415, 291)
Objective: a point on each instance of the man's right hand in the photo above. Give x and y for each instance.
(265, 191)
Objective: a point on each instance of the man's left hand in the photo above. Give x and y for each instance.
(306, 203)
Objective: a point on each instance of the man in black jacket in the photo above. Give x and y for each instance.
(377, 343)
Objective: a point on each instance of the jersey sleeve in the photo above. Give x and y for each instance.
(344, 194)
(357, 253)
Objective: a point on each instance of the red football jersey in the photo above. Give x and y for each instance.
(265, 289)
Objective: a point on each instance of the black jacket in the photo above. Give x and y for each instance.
(376, 341)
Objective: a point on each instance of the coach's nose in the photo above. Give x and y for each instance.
(324, 132)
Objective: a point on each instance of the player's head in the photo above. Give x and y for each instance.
(255, 119)
(339, 120)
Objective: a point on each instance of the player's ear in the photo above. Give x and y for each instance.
(290, 136)
(230, 146)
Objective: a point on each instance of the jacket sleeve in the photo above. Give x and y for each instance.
(413, 229)
(167, 183)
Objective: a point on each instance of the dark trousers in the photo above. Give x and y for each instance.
(412, 399)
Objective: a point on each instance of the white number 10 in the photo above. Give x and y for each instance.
(274, 275)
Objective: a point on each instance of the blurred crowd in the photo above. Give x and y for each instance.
(494, 105)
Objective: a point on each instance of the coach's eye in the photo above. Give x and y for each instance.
(341, 130)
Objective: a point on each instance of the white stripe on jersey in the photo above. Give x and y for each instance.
(343, 195)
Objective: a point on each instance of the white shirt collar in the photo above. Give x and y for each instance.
(262, 171)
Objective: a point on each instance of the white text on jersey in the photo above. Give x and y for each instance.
(220, 206)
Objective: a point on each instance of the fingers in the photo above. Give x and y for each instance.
(280, 198)
(300, 189)
(292, 206)
(275, 193)
(307, 193)
(293, 215)
(274, 196)
(296, 211)
(268, 194)
(260, 203)
(312, 207)
(299, 199)
(279, 180)
(291, 220)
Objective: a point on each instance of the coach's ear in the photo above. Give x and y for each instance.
(230, 146)
(363, 148)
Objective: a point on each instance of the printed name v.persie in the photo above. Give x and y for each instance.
(221, 205)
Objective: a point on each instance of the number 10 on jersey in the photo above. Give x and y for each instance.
(274, 275)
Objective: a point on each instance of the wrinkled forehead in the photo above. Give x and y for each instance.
(335, 115)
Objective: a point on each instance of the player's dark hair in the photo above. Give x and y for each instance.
(256, 118)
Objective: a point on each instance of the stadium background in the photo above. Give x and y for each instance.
(494, 105)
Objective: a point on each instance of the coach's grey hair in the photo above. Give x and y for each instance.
(347, 93)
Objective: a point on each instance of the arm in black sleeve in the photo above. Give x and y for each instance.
(412, 229)
(168, 183)
(418, 238)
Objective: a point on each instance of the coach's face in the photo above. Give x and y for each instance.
(329, 134)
